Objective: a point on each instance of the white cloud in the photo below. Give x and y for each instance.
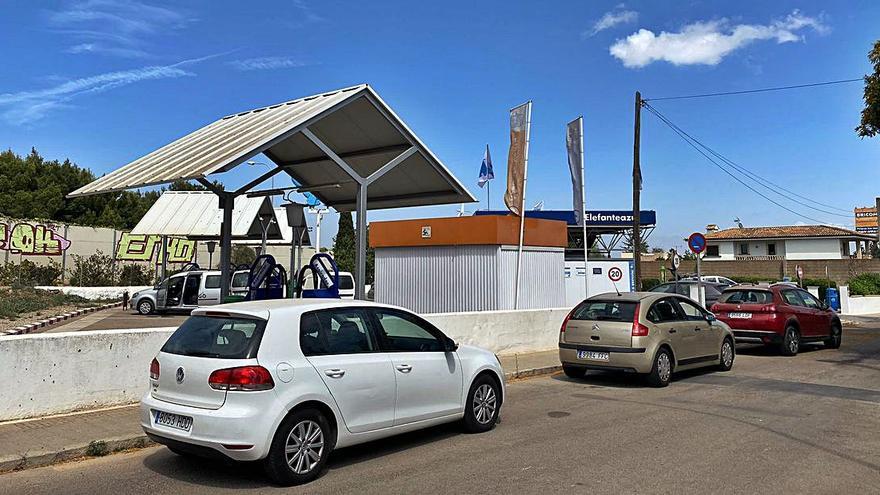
(114, 27)
(708, 42)
(265, 63)
(611, 19)
(26, 107)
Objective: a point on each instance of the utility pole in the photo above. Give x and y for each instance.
(637, 190)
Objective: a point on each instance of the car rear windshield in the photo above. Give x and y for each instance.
(346, 282)
(747, 297)
(217, 337)
(605, 311)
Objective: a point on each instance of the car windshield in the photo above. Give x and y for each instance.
(605, 311)
(747, 297)
(216, 337)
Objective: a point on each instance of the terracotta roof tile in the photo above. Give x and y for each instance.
(784, 231)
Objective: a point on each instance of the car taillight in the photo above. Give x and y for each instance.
(638, 330)
(567, 317)
(242, 379)
(154, 369)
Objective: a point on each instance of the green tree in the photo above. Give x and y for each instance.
(344, 243)
(242, 255)
(870, 125)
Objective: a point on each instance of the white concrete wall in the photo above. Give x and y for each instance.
(93, 293)
(812, 249)
(503, 332)
(861, 305)
(55, 373)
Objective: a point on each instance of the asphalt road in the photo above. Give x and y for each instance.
(809, 424)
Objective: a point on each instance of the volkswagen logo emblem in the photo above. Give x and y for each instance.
(180, 375)
(595, 327)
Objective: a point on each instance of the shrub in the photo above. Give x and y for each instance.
(242, 255)
(866, 284)
(136, 275)
(822, 283)
(28, 274)
(14, 302)
(649, 283)
(96, 270)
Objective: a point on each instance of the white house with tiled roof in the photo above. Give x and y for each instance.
(788, 242)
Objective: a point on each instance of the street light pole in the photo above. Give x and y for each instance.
(253, 163)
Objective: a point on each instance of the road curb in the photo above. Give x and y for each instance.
(543, 370)
(96, 448)
(57, 319)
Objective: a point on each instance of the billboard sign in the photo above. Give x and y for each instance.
(866, 220)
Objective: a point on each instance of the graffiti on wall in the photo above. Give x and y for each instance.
(146, 247)
(32, 239)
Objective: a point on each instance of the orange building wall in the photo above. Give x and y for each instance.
(473, 230)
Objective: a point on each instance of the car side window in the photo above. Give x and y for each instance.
(792, 297)
(691, 311)
(809, 300)
(402, 332)
(212, 282)
(663, 311)
(335, 331)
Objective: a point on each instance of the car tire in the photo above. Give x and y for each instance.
(573, 371)
(145, 307)
(836, 338)
(727, 354)
(661, 371)
(790, 342)
(307, 432)
(483, 405)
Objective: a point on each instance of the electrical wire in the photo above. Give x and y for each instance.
(763, 182)
(750, 91)
(687, 140)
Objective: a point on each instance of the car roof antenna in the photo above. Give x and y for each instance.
(615, 287)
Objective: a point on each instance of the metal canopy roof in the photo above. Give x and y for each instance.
(354, 123)
(196, 215)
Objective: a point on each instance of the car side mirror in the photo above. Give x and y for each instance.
(711, 318)
(451, 346)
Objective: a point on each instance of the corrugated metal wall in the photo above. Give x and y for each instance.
(438, 279)
(443, 279)
(543, 278)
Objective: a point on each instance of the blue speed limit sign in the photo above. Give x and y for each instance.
(697, 242)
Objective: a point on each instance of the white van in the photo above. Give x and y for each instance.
(182, 291)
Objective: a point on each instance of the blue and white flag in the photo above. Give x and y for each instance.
(486, 172)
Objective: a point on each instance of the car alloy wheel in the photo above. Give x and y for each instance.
(793, 344)
(304, 447)
(484, 404)
(145, 307)
(726, 355)
(664, 367)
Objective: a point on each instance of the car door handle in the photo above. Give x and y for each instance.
(697, 329)
(404, 368)
(671, 330)
(335, 373)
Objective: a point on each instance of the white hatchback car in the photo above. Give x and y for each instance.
(288, 381)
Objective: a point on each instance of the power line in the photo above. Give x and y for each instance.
(684, 137)
(759, 179)
(750, 91)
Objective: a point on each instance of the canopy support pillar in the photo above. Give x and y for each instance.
(361, 244)
(227, 201)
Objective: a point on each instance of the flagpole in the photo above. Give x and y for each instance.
(584, 213)
(522, 211)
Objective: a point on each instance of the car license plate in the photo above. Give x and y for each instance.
(741, 316)
(592, 355)
(170, 420)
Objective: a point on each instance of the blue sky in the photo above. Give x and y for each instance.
(103, 82)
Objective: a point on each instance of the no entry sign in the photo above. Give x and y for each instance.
(697, 242)
(615, 274)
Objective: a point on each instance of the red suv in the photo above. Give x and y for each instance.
(781, 314)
